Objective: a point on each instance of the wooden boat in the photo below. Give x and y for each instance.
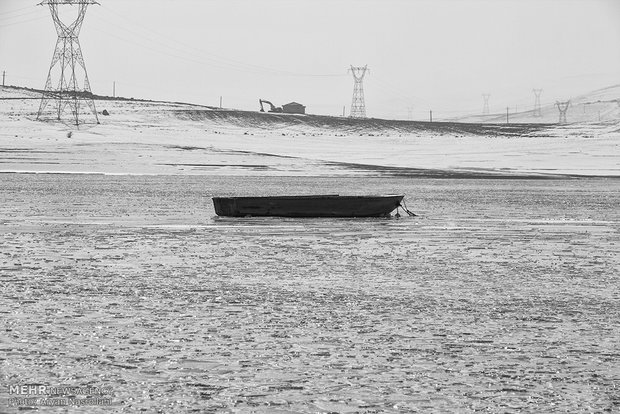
(308, 206)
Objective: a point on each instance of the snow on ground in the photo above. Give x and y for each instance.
(165, 138)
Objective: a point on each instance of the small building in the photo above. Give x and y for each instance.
(294, 108)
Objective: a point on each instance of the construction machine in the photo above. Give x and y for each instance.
(272, 107)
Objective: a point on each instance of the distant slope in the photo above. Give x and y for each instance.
(521, 124)
(298, 123)
(601, 105)
(368, 126)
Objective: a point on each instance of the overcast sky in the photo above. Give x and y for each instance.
(427, 54)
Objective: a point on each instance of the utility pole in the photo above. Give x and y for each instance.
(114, 89)
(220, 102)
(343, 110)
(562, 107)
(507, 112)
(3, 77)
(485, 107)
(431, 115)
(358, 107)
(537, 110)
(69, 61)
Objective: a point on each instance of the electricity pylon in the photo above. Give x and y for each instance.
(358, 107)
(563, 107)
(537, 110)
(68, 66)
(485, 107)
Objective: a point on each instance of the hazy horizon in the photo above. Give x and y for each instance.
(441, 55)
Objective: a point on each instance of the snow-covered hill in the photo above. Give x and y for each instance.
(602, 105)
(145, 137)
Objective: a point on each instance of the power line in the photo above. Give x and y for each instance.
(222, 61)
(22, 21)
(17, 16)
(395, 91)
(16, 10)
(160, 49)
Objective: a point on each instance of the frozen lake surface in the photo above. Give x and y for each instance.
(502, 296)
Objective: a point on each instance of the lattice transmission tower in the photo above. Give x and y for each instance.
(485, 106)
(67, 83)
(563, 107)
(358, 107)
(537, 110)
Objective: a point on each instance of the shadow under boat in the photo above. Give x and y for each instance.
(308, 206)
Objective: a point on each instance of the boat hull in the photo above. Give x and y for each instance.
(307, 206)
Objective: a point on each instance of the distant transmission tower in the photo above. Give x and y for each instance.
(537, 110)
(563, 107)
(358, 107)
(68, 68)
(485, 107)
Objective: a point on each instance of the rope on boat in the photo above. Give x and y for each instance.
(404, 207)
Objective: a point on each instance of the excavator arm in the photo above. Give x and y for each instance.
(272, 107)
